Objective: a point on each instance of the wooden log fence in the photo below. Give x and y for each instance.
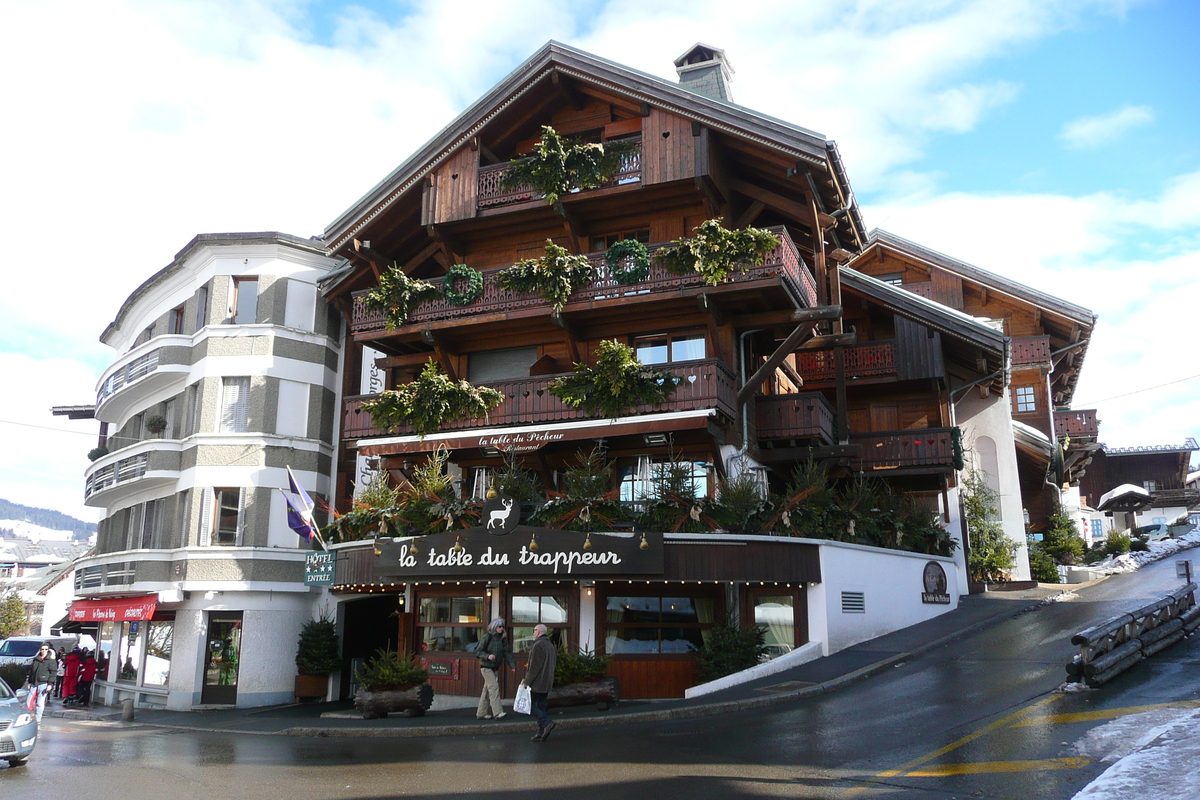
(1108, 649)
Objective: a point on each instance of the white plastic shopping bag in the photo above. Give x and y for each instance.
(524, 702)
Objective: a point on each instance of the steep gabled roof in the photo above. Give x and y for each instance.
(999, 283)
(791, 140)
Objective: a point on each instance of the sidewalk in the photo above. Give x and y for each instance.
(975, 612)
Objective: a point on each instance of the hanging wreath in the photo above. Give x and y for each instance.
(474, 290)
(628, 262)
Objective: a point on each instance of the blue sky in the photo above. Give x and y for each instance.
(1052, 141)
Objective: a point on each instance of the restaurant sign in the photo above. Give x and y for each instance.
(545, 553)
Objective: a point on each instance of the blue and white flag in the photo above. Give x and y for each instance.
(299, 510)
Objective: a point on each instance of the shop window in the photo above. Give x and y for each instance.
(1024, 399)
(530, 610)
(776, 615)
(244, 303)
(657, 624)
(669, 348)
(481, 482)
(451, 624)
(644, 480)
(500, 365)
(128, 653)
(159, 637)
(104, 648)
(235, 401)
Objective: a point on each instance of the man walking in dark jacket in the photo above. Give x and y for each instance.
(539, 677)
(42, 673)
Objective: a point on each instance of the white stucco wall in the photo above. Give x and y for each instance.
(990, 417)
(891, 583)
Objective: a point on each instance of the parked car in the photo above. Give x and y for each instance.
(1153, 533)
(18, 727)
(21, 649)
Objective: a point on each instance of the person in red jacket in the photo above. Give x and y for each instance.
(87, 674)
(71, 678)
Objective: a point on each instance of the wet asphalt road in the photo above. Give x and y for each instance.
(974, 718)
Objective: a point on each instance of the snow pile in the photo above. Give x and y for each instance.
(1071, 688)
(1159, 749)
(1128, 562)
(1061, 597)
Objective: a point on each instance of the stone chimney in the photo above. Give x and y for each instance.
(705, 70)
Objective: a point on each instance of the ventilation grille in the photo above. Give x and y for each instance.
(854, 603)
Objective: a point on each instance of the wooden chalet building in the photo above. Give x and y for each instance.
(798, 358)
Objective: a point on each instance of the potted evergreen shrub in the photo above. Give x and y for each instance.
(390, 682)
(316, 657)
(156, 424)
(582, 678)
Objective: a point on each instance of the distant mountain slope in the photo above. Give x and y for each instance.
(45, 518)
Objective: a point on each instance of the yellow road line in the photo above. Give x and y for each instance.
(1000, 723)
(1110, 713)
(984, 767)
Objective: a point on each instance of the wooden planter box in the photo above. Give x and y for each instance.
(413, 702)
(604, 693)
(310, 686)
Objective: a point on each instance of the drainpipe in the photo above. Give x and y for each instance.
(745, 406)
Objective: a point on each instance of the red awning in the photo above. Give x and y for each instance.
(117, 609)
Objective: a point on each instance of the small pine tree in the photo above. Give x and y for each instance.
(317, 652)
(728, 649)
(1061, 538)
(13, 620)
(1041, 565)
(992, 553)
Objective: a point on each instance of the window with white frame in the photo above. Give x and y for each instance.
(641, 481)
(1024, 399)
(222, 518)
(235, 400)
(667, 348)
(243, 305)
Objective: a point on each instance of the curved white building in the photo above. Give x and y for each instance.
(226, 376)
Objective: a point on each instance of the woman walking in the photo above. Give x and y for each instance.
(492, 652)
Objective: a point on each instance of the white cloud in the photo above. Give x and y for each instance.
(1095, 131)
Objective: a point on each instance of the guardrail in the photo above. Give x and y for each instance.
(1108, 649)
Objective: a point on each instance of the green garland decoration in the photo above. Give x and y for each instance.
(715, 251)
(616, 383)
(559, 166)
(397, 295)
(431, 401)
(633, 252)
(554, 276)
(467, 296)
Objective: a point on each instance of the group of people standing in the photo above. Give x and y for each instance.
(65, 675)
(493, 652)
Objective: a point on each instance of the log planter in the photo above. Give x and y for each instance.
(413, 701)
(605, 693)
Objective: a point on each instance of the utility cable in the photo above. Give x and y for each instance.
(1137, 391)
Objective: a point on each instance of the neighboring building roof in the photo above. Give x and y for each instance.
(25, 551)
(312, 244)
(995, 282)
(1188, 446)
(797, 142)
(1125, 497)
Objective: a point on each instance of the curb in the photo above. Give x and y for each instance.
(664, 715)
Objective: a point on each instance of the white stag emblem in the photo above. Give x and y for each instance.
(498, 518)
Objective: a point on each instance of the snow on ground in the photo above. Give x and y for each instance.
(1157, 754)
(34, 533)
(1061, 597)
(1129, 562)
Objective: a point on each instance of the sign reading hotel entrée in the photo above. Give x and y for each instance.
(558, 554)
(319, 569)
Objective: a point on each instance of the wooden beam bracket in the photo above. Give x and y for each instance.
(797, 337)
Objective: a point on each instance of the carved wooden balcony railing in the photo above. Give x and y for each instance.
(1030, 350)
(806, 415)
(924, 447)
(705, 384)
(867, 360)
(1076, 424)
(785, 262)
(492, 194)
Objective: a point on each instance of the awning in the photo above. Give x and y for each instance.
(116, 609)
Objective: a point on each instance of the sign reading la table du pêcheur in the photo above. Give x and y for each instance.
(557, 554)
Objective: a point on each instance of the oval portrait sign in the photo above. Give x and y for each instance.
(934, 578)
(500, 515)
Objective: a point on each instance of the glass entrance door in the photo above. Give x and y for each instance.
(222, 657)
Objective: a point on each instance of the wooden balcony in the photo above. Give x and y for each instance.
(784, 263)
(1076, 424)
(705, 384)
(924, 447)
(492, 194)
(867, 360)
(1028, 351)
(803, 416)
